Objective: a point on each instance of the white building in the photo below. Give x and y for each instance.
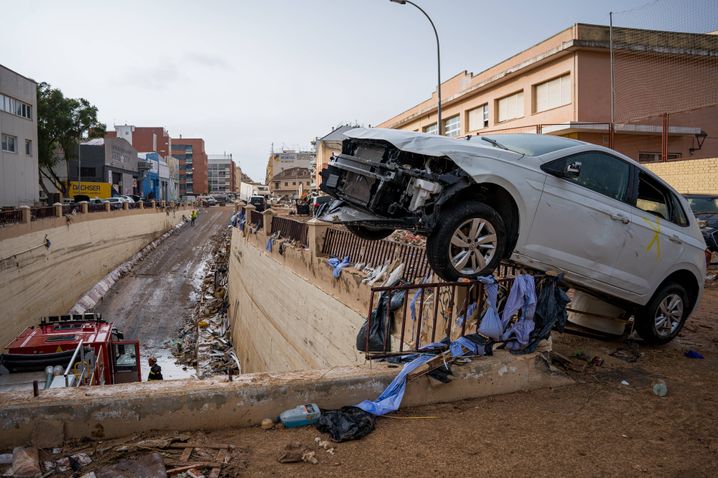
(220, 173)
(19, 175)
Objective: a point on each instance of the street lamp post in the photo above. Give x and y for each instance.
(439, 125)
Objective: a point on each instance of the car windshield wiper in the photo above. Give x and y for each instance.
(496, 144)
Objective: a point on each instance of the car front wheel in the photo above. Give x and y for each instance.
(468, 241)
(659, 321)
(369, 233)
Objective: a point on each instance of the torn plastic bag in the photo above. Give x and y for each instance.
(491, 323)
(550, 311)
(475, 344)
(381, 324)
(338, 265)
(347, 423)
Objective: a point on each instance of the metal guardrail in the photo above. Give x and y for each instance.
(257, 218)
(428, 313)
(68, 208)
(133, 205)
(12, 216)
(95, 207)
(42, 212)
(290, 229)
(340, 243)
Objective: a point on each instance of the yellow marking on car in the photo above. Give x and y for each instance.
(656, 228)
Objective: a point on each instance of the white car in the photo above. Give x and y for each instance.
(550, 203)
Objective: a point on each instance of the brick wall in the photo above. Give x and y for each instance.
(692, 176)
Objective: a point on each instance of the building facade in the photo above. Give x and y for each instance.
(106, 160)
(143, 138)
(288, 159)
(291, 183)
(192, 159)
(562, 86)
(19, 174)
(221, 173)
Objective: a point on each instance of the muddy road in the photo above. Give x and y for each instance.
(151, 302)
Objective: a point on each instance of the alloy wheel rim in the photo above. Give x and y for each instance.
(472, 246)
(669, 314)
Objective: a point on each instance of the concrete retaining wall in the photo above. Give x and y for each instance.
(46, 281)
(119, 410)
(282, 321)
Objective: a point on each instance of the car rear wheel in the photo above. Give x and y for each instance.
(469, 241)
(369, 233)
(659, 321)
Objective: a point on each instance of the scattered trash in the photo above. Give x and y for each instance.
(628, 352)
(296, 453)
(205, 340)
(624, 382)
(692, 354)
(338, 265)
(150, 464)
(300, 416)
(5, 458)
(267, 424)
(347, 423)
(660, 389)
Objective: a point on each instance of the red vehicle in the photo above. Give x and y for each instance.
(90, 350)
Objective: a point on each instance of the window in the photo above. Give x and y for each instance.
(276, 184)
(431, 129)
(553, 93)
(599, 172)
(8, 143)
(15, 107)
(286, 183)
(478, 118)
(452, 126)
(511, 107)
(656, 199)
(644, 157)
(87, 172)
(28, 147)
(294, 183)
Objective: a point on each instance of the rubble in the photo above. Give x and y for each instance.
(25, 463)
(205, 339)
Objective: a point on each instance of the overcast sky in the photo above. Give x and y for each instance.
(245, 74)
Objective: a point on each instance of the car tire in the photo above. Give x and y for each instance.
(369, 233)
(468, 241)
(660, 321)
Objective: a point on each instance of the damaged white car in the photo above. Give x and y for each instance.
(549, 203)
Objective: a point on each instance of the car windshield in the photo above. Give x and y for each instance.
(530, 144)
(703, 204)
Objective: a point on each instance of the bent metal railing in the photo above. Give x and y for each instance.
(257, 218)
(341, 243)
(290, 229)
(427, 313)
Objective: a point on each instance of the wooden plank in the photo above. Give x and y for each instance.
(215, 446)
(207, 464)
(180, 469)
(221, 457)
(186, 454)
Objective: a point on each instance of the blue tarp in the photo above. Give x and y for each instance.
(338, 265)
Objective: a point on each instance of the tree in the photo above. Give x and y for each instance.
(61, 122)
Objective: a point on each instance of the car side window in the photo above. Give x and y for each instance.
(656, 199)
(597, 171)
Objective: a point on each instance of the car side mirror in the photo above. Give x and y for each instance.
(572, 170)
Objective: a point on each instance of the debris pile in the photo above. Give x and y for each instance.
(180, 455)
(205, 340)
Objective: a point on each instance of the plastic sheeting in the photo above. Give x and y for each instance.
(338, 265)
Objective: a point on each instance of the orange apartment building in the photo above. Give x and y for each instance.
(192, 165)
(562, 86)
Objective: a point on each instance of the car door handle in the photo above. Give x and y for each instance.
(675, 238)
(620, 217)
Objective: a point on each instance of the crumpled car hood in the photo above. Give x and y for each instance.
(462, 152)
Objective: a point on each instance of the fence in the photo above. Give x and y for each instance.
(431, 309)
(340, 243)
(13, 216)
(257, 218)
(290, 229)
(42, 212)
(95, 207)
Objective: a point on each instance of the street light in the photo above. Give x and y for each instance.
(438, 61)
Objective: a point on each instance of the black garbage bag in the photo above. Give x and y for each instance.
(381, 324)
(551, 311)
(347, 423)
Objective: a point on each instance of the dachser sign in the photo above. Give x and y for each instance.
(99, 190)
